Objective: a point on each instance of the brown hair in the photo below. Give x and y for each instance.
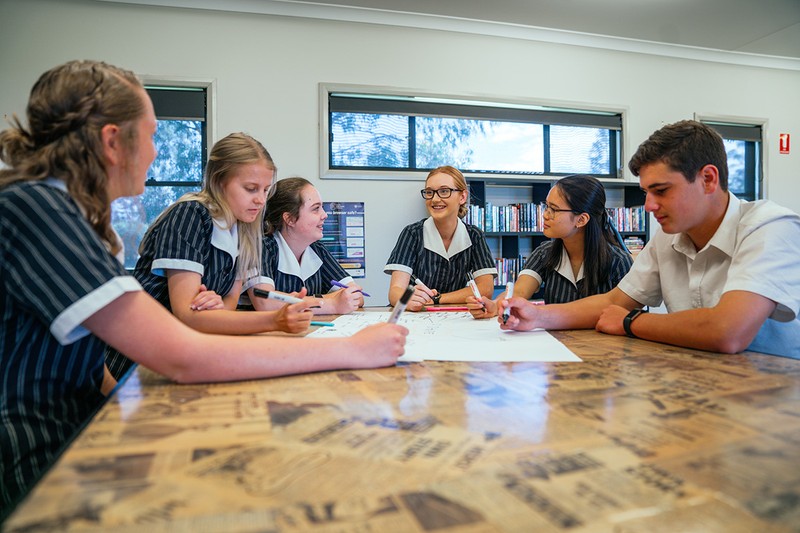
(686, 147)
(285, 199)
(68, 107)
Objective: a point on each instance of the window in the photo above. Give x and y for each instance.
(743, 145)
(391, 133)
(181, 141)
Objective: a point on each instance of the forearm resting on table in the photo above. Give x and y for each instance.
(153, 337)
(729, 327)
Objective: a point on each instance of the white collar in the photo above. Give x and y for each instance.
(724, 239)
(287, 262)
(565, 268)
(224, 239)
(433, 241)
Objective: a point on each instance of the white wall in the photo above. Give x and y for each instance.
(267, 69)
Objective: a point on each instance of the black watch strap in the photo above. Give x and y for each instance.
(628, 320)
(436, 299)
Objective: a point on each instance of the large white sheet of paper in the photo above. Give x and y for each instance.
(456, 336)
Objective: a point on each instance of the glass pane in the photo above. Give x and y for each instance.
(575, 149)
(736, 176)
(180, 151)
(479, 145)
(131, 216)
(368, 140)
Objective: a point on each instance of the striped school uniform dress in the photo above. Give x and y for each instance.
(189, 239)
(281, 270)
(420, 251)
(55, 272)
(560, 285)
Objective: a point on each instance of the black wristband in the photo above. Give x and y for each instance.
(436, 299)
(626, 322)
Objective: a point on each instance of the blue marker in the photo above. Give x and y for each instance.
(315, 323)
(342, 285)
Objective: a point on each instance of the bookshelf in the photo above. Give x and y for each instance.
(509, 211)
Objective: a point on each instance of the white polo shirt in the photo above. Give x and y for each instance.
(755, 249)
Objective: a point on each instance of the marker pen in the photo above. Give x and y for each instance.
(281, 297)
(416, 281)
(343, 286)
(434, 309)
(474, 287)
(401, 305)
(315, 323)
(509, 294)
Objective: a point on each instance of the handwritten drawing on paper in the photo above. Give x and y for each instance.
(457, 336)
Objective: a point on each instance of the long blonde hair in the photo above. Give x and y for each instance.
(67, 109)
(228, 154)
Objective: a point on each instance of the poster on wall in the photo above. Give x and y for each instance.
(343, 235)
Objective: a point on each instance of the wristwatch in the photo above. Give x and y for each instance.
(436, 299)
(626, 323)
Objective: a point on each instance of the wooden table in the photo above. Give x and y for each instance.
(639, 437)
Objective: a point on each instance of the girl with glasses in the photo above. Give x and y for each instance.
(294, 260)
(583, 257)
(441, 252)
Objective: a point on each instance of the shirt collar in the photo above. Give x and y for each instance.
(433, 241)
(287, 262)
(226, 240)
(724, 239)
(565, 268)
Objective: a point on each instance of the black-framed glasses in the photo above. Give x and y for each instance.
(444, 192)
(550, 211)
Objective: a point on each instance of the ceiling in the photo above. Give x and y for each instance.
(768, 27)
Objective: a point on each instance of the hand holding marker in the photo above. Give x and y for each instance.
(401, 305)
(474, 287)
(415, 281)
(281, 297)
(509, 294)
(343, 286)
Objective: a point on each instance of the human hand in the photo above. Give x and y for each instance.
(611, 319)
(483, 308)
(378, 345)
(422, 296)
(294, 318)
(206, 300)
(346, 300)
(522, 314)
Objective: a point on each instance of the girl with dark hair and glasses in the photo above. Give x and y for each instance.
(441, 253)
(584, 255)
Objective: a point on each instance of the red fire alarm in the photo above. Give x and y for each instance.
(783, 143)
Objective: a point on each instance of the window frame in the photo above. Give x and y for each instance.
(742, 128)
(209, 86)
(525, 105)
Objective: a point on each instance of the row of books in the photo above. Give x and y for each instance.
(530, 217)
(507, 269)
(628, 218)
(512, 217)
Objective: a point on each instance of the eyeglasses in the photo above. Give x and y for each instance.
(550, 211)
(444, 192)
